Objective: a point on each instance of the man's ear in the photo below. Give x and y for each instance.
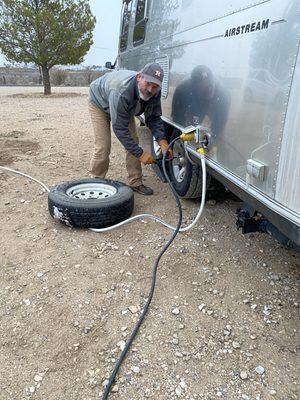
(139, 76)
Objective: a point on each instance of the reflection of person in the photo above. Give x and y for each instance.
(199, 96)
(118, 97)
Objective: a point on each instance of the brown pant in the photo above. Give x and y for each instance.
(100, 159)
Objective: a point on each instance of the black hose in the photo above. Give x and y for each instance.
(154, 272)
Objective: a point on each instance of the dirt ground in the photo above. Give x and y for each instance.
(224, 322)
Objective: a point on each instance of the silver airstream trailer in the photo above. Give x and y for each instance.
(232, 71)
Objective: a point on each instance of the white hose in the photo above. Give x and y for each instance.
(26, 176)
(140, 216)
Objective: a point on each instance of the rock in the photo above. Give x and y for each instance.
(136, 370)
(275, 277)
(211, 202)
(260, 370)
(27, 302)
(105, 383)
(236, 345)
(243, 375)
(38, 378)
(183, 385)
(175, 311)
(115, 389)
(133, 309)
(178, 391)
(201, 307)
(272, 392)
(245, 397)
(121, 344)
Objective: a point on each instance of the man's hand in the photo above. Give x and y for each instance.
(163, 146)
(146, 158)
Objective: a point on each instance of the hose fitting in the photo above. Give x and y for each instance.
(187, 137)
(201, 152)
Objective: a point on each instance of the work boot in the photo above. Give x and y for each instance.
(142, 189)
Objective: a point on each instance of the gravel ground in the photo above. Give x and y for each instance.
(224, 322)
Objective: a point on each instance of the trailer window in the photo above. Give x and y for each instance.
(140, 22)
(126, 14)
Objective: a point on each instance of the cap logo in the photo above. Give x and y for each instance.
(157, 73)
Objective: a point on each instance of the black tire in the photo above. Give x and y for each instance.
(75, 204)
(185, 176)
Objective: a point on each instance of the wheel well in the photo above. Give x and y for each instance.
(169, 130)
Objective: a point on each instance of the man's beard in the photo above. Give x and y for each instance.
(144, 96)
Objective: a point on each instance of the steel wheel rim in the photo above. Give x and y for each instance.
(156, 148)
(179, 162)
(91, 191)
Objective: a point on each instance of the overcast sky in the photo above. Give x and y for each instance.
(106, 32)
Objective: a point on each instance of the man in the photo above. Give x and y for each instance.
(118, 97)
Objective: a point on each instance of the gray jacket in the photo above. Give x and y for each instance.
(116, 93)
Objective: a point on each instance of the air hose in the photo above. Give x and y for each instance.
(175, 230)
(141, 216)
(25, 176)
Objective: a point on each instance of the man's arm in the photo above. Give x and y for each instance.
(154, 122)
(120, 117)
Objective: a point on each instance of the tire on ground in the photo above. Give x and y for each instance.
(91, 212)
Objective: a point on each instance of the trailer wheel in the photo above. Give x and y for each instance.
(185, 176)
(91, 203)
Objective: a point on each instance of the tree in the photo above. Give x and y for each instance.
(46, 32)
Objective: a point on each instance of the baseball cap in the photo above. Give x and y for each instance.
(153, 73)
(202, 73)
